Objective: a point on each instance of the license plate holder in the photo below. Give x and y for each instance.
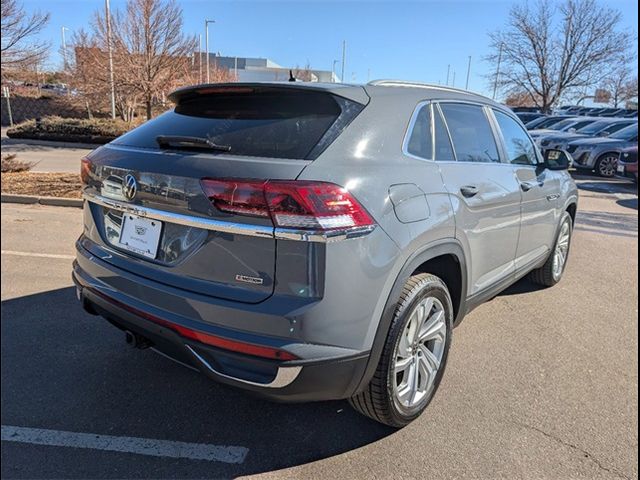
(140, 235)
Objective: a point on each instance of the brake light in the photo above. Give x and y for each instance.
(85, 170)
(289, 203)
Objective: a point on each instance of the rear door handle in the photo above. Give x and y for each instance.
(469, 191)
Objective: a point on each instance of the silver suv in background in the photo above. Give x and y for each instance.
(319, 241)
(601, 154)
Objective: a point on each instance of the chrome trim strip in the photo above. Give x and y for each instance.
(323, 237)
(180, 219)
(230, 227)
(284, 377)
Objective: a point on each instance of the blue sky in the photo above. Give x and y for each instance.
(405, 40)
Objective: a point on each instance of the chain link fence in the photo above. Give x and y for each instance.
(16, 109)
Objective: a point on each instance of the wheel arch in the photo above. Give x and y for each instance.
(444, 259)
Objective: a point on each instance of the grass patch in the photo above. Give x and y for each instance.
(96, 130)
(42, 184)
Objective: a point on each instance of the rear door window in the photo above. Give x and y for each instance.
(444, 150)
(471, 133)
(259, 122)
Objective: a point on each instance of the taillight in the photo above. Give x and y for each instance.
(85, 171)
(289, 203)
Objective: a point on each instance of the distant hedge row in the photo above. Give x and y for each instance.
(97, 130)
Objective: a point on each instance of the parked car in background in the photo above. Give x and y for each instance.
(628, 163)
(600, 128)
(601, 154)
(568, 125)
(526, 117)
(321, 240)
(546, 122)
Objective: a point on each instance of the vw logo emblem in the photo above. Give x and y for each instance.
(129, 187)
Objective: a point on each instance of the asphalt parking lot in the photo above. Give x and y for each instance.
(540, 383)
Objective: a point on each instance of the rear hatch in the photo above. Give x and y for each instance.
(238, 131)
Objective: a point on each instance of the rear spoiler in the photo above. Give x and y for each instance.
(355, 93)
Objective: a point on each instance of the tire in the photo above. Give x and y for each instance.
(606, 165)
(381, 399)
(549, 275)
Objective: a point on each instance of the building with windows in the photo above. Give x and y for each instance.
(262, 69)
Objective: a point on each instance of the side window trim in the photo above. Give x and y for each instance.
(411, 126)
(497, 133)
(446, 127)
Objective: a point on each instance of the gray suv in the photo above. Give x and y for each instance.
(318, 241)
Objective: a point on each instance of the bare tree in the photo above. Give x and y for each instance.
(153, 53)
(19, 48)
(550, 51)
(304, 74)
(617, 81)
(151, 57)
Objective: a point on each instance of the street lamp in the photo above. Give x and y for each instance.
(206, 41)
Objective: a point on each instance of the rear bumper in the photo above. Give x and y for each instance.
(319, 372)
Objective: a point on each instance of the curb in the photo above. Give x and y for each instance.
(50, 201)
(8, 142)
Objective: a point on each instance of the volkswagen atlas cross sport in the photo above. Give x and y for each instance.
(318, 241)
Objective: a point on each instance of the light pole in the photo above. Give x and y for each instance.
(344, 59)
(448, 70)
(200, 58)
(495, 83)
(333, 71)
(466, 86)
(110, 50)
(64, 48)
(206, 42)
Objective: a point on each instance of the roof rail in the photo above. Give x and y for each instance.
(404, 83)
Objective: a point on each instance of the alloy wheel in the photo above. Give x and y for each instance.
(607, 166)
(419, 353)
(561, 251)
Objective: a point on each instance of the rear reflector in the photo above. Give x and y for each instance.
(291, 204)
(85, 170)
(203, 337)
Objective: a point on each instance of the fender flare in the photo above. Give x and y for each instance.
(429, 252)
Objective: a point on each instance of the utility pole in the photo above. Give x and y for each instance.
(448, 70)
(344, 59)
(466, 85)
(495, 83)
(64, 49)
(206, 42)
(453, 83)
(110, 49)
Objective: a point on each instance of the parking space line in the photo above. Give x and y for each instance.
(139, 446)
(35, 254)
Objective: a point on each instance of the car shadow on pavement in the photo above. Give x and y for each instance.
(64, 369)
(629, 203)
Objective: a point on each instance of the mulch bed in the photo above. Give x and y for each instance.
(42, 184)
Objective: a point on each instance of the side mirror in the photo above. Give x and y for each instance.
(557, 159)
(604, 134)
(573, 130)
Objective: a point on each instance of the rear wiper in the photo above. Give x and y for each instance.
(178, 141)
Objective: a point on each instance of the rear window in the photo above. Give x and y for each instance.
(258, 122)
